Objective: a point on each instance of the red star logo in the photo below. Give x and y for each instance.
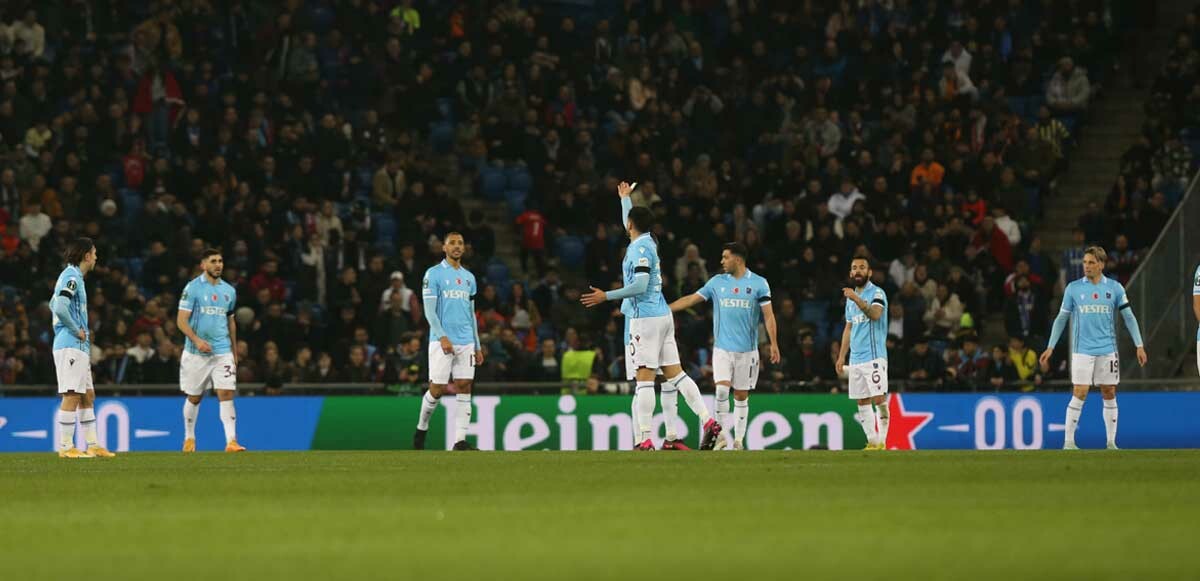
(904, 425)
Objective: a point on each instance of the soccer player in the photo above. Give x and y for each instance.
(865, 337)
(1091, 304)
(1196, 312)
(449, 294)
(653, 332)
(209, 360)
(72, 349)
(740, 299)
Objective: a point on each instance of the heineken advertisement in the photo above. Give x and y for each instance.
(602, 422)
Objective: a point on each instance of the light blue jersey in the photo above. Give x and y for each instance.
(641, 258)
(737, 309)
(1093, 309)
(627, 311)
(210, 306)
(449, 295)
(868, 339)
(1196, 292)
(70, 286)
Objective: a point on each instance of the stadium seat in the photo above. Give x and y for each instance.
(386, 229)
(497, 273)
(570, 251)
(492, 183)
(515, 200)
(134, 265)
(519, 179)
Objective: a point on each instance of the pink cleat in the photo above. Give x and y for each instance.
(711, 430)
(647, 446)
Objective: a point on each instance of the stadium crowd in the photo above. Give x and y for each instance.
(321, 144)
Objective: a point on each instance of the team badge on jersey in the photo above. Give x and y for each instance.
(748, 291)
(71, 285)
(736, 290)
(1108, 295)
(1095, 296)
(458, 281)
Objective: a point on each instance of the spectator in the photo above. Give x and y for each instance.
(1001, 371)
(1122, 260)
(967, 366)
(945, 312)
(1068, 91)
(533, 239)
(923, 364)
(35, 225)
(1024, 360)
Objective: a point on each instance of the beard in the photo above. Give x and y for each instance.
(858, 280)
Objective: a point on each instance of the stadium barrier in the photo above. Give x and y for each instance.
(1161, 292)
(602, 422)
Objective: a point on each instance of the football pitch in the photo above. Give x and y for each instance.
(602, 515)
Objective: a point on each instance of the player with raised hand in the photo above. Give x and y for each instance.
(209, 359)
(72, 349)
(740, 299)
(653, 332)
(865, 337)
(1091, 304)
(449, 295)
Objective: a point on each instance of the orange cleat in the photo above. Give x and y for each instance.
(189, 445)
(100, 452)
(233, 446)
(73, 452)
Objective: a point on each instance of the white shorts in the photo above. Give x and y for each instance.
(868, 379)
(740, 369)
(653, 340)
(459, 363)
(631, 367)
(199, 373)
(74, 370)
(1095, 369)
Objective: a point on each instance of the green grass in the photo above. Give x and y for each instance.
(602, 515)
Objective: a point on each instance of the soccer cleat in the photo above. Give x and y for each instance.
(189, 445)
(737, 445)
(1070, 446)
(73, 452)
(674, 445)
(100, 452)
(711, 430)
(647, 446)
(463, 445)
(419, 439)
(233, 446)
(1113, 446)
(721, 444)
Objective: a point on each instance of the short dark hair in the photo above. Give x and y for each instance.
(642, 218)
(737, 249)
(863, 258)
(454, 233)
(77, 249)
(208, 252)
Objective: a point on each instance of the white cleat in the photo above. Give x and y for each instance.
(737, 445)
(1113, 446)
(1070, 446)
(721, 444)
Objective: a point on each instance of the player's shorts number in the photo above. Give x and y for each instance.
(229, 372)
(875, 377)
(1114, 366)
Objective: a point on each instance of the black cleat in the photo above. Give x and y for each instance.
(712, 430)
(419, 439)
(465, 445)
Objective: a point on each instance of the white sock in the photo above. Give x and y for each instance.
(66, 424)
(741, 411)
(645, 409)
(462, 416)
(1110, 420)
(633, 415)
(866, 417)
(429, 405)
(691, 395)
(190, 412)
(229, 420)
(670, 405)
(722, 411)
(881, 412)
(1073, 410)
(87, 419)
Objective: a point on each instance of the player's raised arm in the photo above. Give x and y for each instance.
(625, 191)
(873, 311)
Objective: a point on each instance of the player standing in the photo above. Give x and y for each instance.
(740, 299)
(653, 333)
(1091, 304)
(865, 336)
(449, 294)
(72, 349)
(209, 359)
